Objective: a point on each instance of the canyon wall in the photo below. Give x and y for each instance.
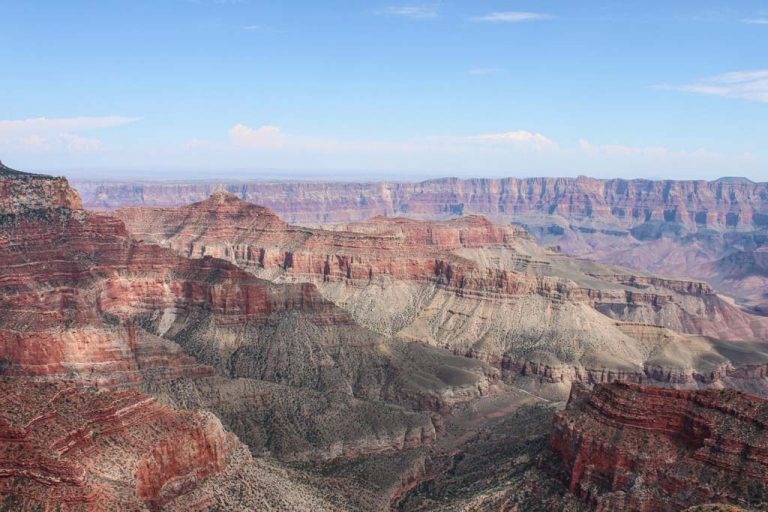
(85, 303)
(722, 204)
(693, 229)
(77, 449)
(481, 290)
(639, 448)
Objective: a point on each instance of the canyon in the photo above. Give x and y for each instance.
(86, 307)
(713, 231)
(213, 354)
(486, 291)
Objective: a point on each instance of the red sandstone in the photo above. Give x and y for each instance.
(639, 448)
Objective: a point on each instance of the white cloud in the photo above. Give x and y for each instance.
(744, 85)
(264, 29)
(414, 12)
(55, 135)
(32, 142)
(269, 138)
(511, 17)
(40, 125)
(760, 18)
(519, 137)
(262, 137)
(504, 153)
(621, 150)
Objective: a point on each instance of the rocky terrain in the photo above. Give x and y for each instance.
(485, 291)
(71, 448)
(713, 231)
(291, 374)
(99, 451)
(216, 357)
(638, 448)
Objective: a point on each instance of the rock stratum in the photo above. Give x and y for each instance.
(639, 448)
(105, 319)
(216, 357)
(719, 204)
(485, 291)
(683, 228)
(78, 449)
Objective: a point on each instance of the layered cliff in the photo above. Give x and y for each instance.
(475, 288)
(719, 204)
(688, 229)
(20, 191)
(84, 450)
(83, 302)
(640, 448)
(300, 341)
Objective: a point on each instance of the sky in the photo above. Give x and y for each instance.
(183, 89)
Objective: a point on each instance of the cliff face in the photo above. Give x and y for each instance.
(82, 450)
(478, 289)
(21, 191)
(681, 228)
(82, 302)
(719, 204)
(300, 341)
(55, 262)
(639, 448)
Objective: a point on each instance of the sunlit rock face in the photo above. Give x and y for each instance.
(485, 291)
(85, 303)
(715, 231)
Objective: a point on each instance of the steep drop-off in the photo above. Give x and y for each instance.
(292, 374)
(719, 204)
(638, 448)
(681, 228)
(482, 290)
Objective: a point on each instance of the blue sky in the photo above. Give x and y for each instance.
(249, 88)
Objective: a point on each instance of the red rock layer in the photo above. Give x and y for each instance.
(179, 462)
(254, 238)
(79, 450)
(53, 265)
(717, 204)
(76, 289)
(229, 228)
(627, 447)
(404, 249)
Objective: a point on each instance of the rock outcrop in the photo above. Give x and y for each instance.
(640, 448)
(735, 203)
(82, 302)
(80, 449)
(478, 289)
(683, 228)
(20, 191)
